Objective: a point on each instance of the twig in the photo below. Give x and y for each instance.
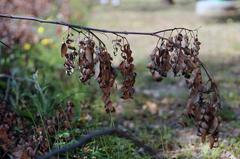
(206, 71)
(110, 131)
(91, 28)
(100, 41)
(4, 44)
(90, 32)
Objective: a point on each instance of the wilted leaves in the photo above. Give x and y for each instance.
(175, 54)
(106, 78)
(94, 60)
(178, 54)
(127, 70)
(160, 63)
(19, 140)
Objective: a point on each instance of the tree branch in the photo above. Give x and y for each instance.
(110, 131)
(4, 44)
(91, 28)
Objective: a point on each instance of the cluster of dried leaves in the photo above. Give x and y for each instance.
(93, 60)
(20, 140)
(127, 70)
(180, 55)
(22, 31)
(177, 54)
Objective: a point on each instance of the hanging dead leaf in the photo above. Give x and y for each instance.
(63, 49)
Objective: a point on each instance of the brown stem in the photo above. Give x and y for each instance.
(110, 131)
(91, 28)
(4, 44)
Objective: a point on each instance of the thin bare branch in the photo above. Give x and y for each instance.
(91, 28)
(5, 44)
(110, 131)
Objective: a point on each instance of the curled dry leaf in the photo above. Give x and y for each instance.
(106, 78)
(63, 49)
(127, 70)
(86, 59)
(160, 63)
(69, 52)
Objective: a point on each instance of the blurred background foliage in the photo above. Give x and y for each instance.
(33, 67)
